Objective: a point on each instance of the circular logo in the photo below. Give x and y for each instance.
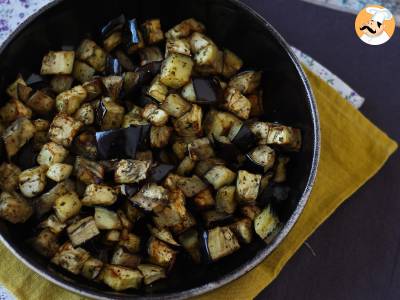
(375, 25)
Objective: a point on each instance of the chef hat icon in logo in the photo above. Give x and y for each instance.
(375, 25)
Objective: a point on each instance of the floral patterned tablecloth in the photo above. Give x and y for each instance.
(14, 12)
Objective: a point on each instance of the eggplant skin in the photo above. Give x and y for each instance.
(221, 242)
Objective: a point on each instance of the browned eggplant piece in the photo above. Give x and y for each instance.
(119, 143)
(131, 171)
(151, 273)
(257, 106)
(109, 114)
(85, 145)
(242, 137)
(150, 197)
(148, 71)
(113, 25)
(26, 156)
(45, 243)
(243, 229)
(260, 159)
(93, 88)
(150, 54)
(206, 90)
(160, 253)
(88, 171)
(70, 258)
(17, 135)
(9, 174)
(82, 231)
(122, 258)
(159, 172)
(143, 99)
(204, 200)
(152, 31)
(24, 92)
(113, 66)
(221, 242)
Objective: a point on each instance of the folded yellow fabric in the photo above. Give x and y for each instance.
(352, 151)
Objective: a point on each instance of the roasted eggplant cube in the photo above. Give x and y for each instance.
(59, 172)
(111, 237)
(85, 114)
(82, 231)
(150, 197)
(184, 29)
(91, 268)
(250, 211)
(125, 222)
(261, 158)
(53, 224)
(32, 181)
(70, 258)
(175, 215)
(257, 105)
(171, 181)
(45, 243)
(151, 273)
(159, 136)
(63, 129)
(9, 174)
(188, 92)
(12, 88)
(91, 53)
(14, 208)
(13, 110)
(106, 219)
(190, 241)
(246, 82)
(160, 253)
(247, 186)
(232, 64)
(204, 200)
(113, 85)
(176, 70)
(225, 199)
(157, 90)
(99, 194)
(122, 258)
(200, 149)
(134, 117)
(280, 171)
(88, 171)
(266, 223)
(285, 137)
(163, 234)
(112, 114)
(93, 88)
(179, 147)
(24, 92)
(69, 101)
(155, 115)
(191, 186)
(221, 242)
(181, 46)
(152, 31)
(219, 176)
(243, 229)
(236, 103)
(41, 103)
(60, 62)
(129, 241)
(45, 202)
(82, 71)
(260, 130)
(150, 54)
(61, 83)
(112, 41)
(218, 123)
(17, 134)
(67, 206)
(186, 166)
(203, 166)
(41, 124)
(51, 153)
(190, 124)
(121, 278)
(175, 105)
(131, 171)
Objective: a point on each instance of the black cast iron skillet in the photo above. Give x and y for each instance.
(288, 99)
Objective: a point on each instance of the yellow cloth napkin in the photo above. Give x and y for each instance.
(352, 151)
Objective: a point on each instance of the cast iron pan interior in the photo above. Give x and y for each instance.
(287, 99)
